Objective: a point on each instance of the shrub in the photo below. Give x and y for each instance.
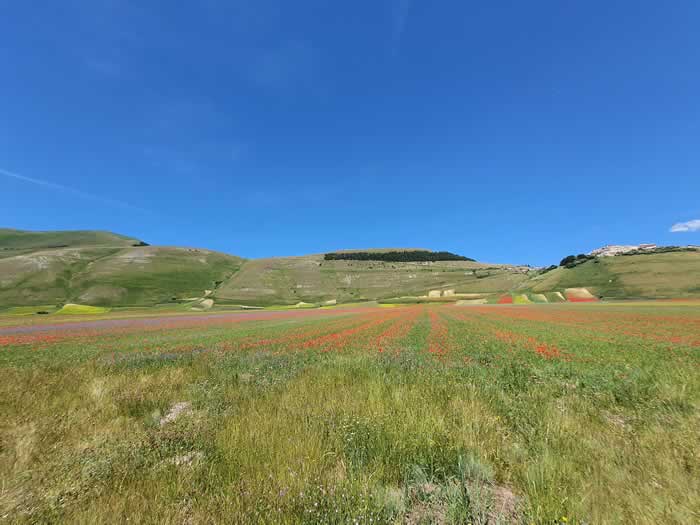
(569, 259)
(573, 260)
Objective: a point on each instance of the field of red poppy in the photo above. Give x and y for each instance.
(577, 413)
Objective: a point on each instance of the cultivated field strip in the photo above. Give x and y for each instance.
(57, 332)
(679, 329)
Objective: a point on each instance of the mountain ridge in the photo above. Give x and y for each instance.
(107, 269)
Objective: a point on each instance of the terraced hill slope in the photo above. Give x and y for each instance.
(310, 278)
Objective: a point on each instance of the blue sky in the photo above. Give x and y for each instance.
(507, 131)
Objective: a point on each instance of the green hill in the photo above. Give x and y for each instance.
(310, 278)
(102, 268)
(20, 240)
(654, 275)
(106, 269)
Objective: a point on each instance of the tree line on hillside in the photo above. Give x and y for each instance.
(403, 256)
(574, 260)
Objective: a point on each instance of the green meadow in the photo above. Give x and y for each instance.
(419, 414)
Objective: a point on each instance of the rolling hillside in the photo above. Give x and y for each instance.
(101, 268)
(652, 276)
(107, 269)
(14, 241)
(287, 280)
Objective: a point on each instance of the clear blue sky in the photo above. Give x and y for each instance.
(508, 131)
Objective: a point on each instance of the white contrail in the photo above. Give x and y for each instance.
(67, 189)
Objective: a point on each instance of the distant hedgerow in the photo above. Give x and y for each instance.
(574, 260)
(396, 256)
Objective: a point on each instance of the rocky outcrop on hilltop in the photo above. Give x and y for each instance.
(615, 249)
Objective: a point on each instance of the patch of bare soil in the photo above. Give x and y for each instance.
(506, 506)
(175, 412)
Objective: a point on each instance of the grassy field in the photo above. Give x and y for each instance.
(81, 309)
(660, 275)
(412, 414)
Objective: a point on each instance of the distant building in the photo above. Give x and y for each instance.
(615, 249)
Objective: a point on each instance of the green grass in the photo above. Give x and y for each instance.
(112, 276)
(594, 275)
(538, 298)
(285, 434)
(420, 300)
(28, 310)
(521, 299)
(288, 280)
(554, 297)
(106, 269)
(33, 240)
(164, 274)
(660, 275)
(81, 309)
(305, 306)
